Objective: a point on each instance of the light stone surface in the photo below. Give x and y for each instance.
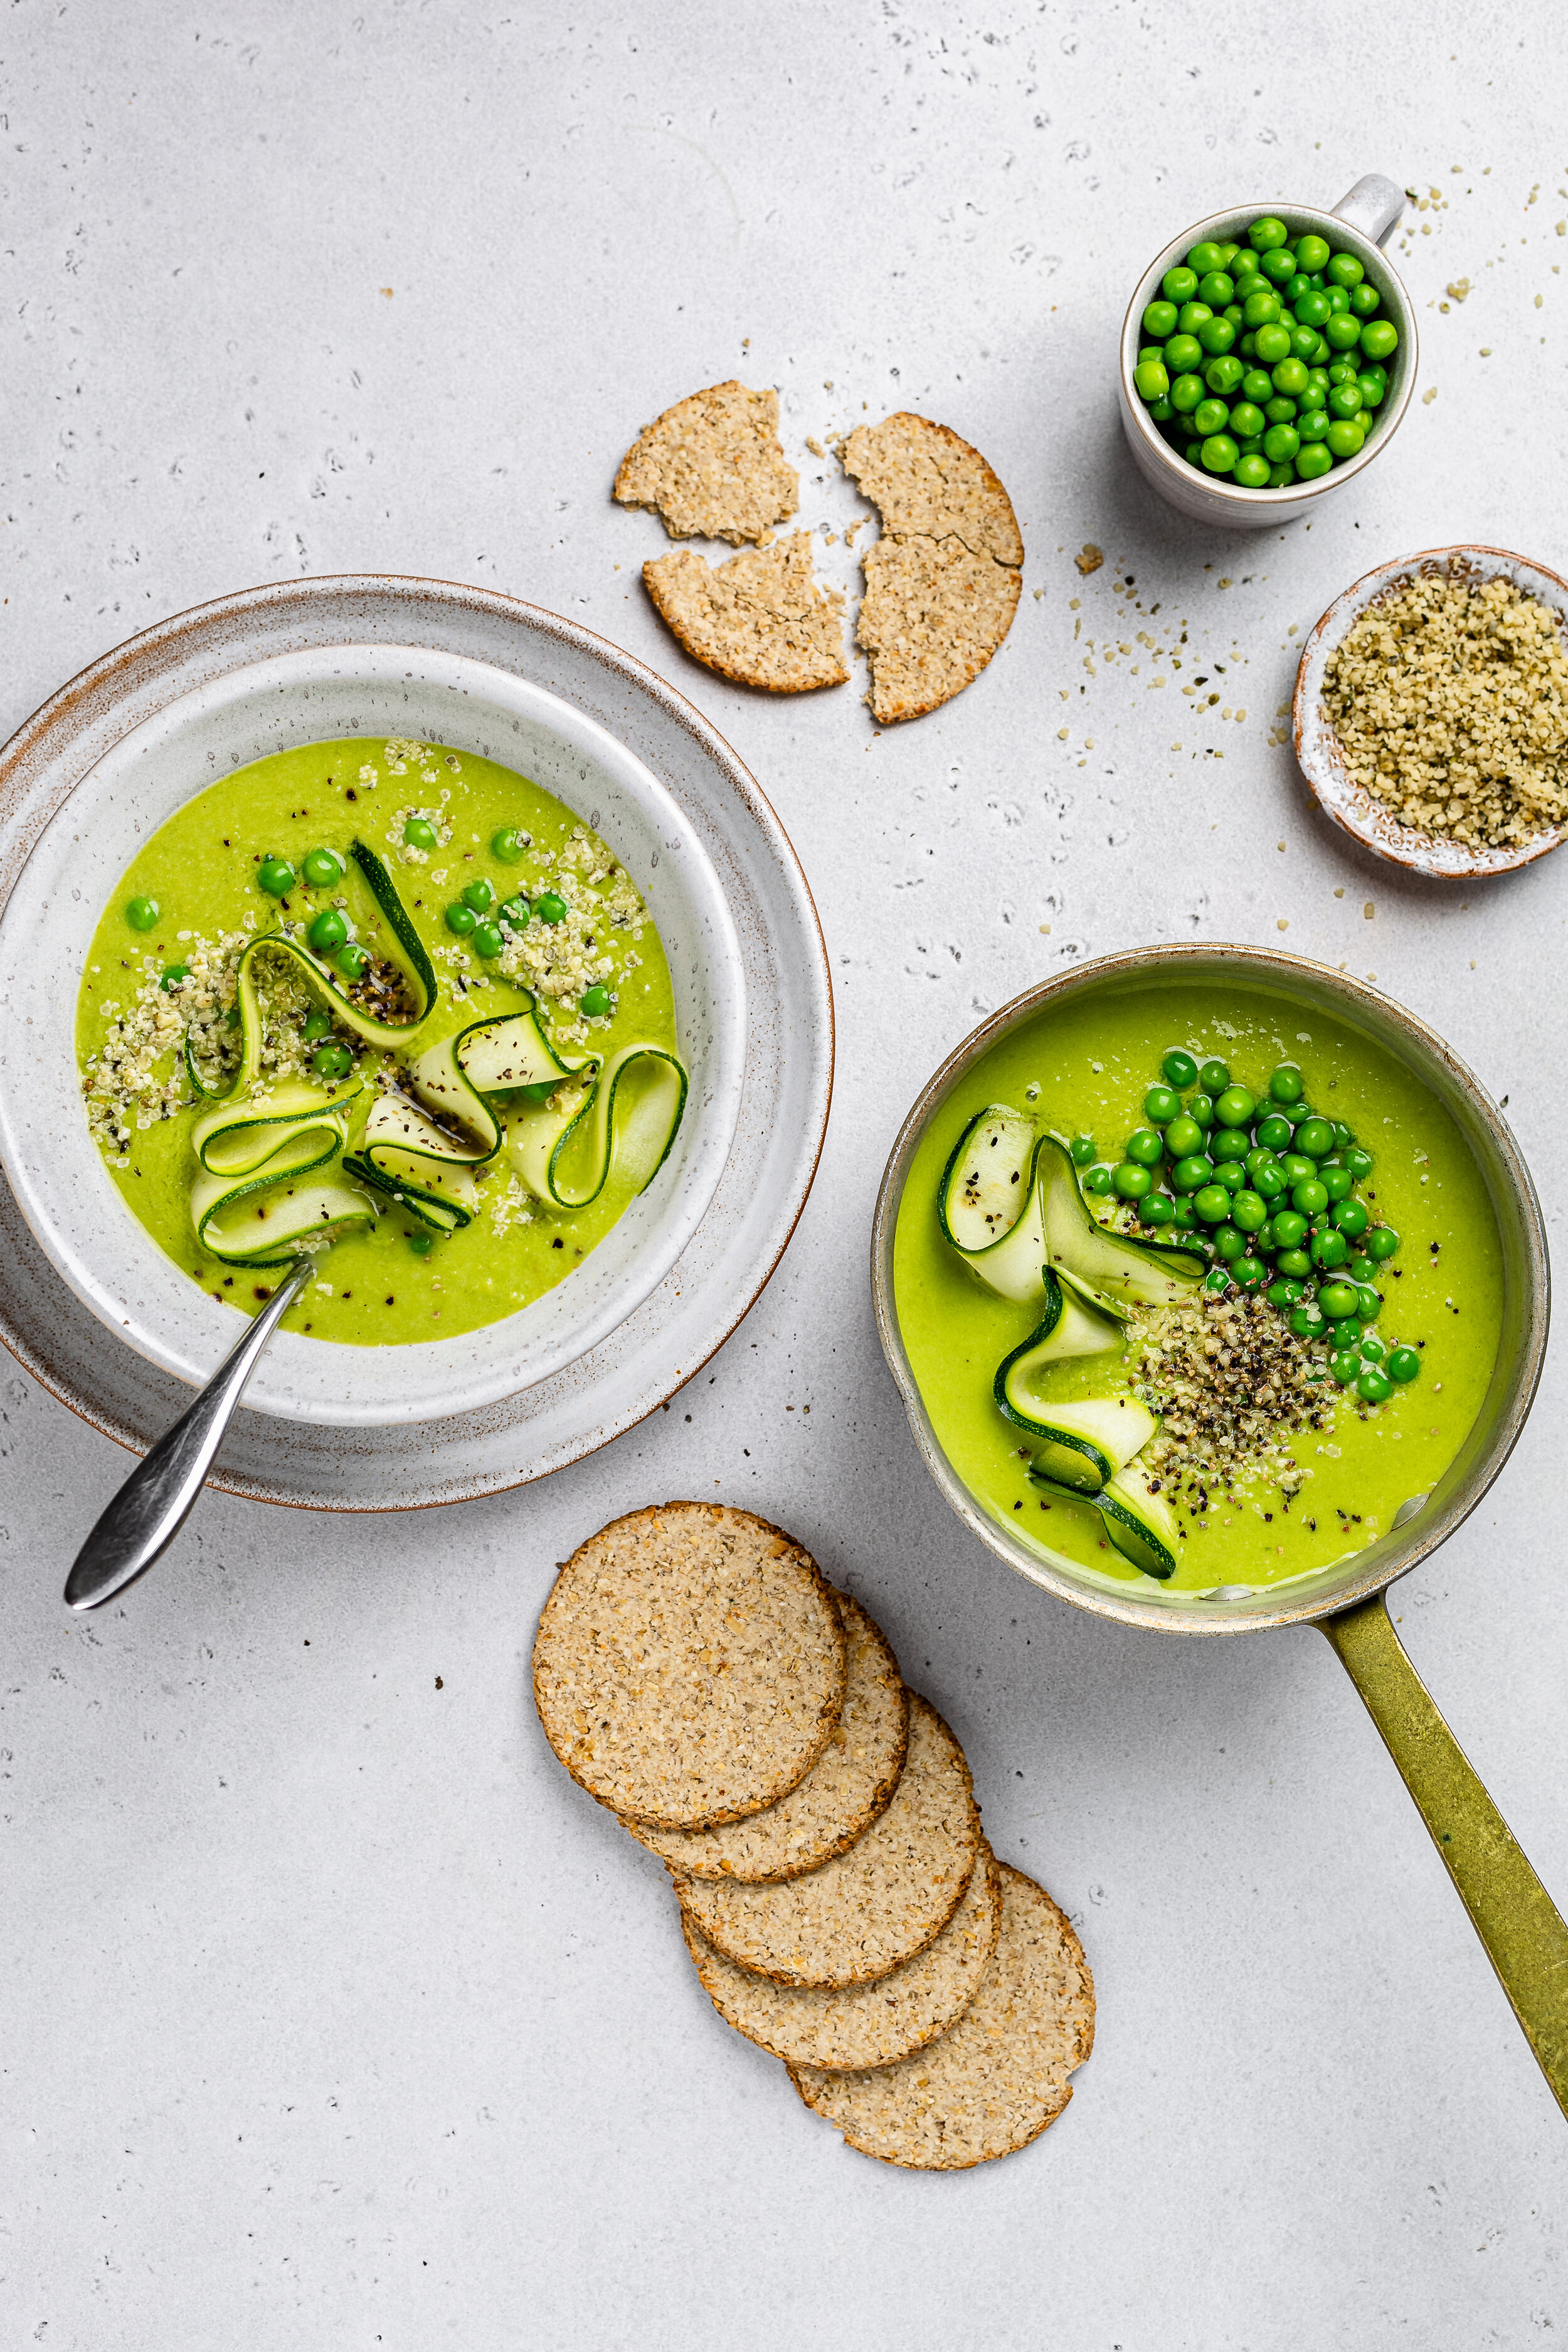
(331, 2012)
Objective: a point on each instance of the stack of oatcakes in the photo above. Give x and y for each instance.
(695, 1672)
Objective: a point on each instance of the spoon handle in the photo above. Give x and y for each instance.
(153, 1504)
(1525, 1933)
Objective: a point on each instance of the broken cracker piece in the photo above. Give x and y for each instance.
(761, 619)
(942, 582)
(712, 465)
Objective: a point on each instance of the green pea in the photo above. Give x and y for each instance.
(1246, 420)
(1289, 1228)
(1243, 263)
(1205, 257)
(276, 877)
(1257, 386)
(1187, 393)
(1130, 1182)
(1182, 353)
(478, 896)
(352, 960)
(460, 918)
(1190, 1174)
(1280, 443)
(331, 1061)
(1350, 1219)
(1228, 1245)
(418, 833)
(1309, 1197)
(1194, 316)
(1214, 1078)
(1247, 346)
(171, 976)
(1230, 1143)
(1184, 1215)
(1364, 299)
(1098, 1180)
(1338, 1299)
(1306, 345)
(1083, 1152)
(1297, 1167)
(1157, 1210)
(1305, 1321)
(1338, 302)
(1343, 438)
(1346, 1332)
(1150, 380)
(1179, 285)
(1344, 269)
(1216, 287)
(550, 907)
(1160, 319)
(1218, 453)
(1178, 1068)
(1232, 1175)
(1373, 1386)
(1359, 1161)
(1184, 1136)
(1368, 1302)
(1345, 1366)
(1336, 1183)
(421, 1244)
(317, 1025)
(1294, 1262)
(1265, 235)
(1225, 375)
(1330, 1249)
(513, 911)
(1379, 339)
(1342, 1135)
(1279, 267)
(1218, 1281)
(1312, 252)
(1380, 1243)
(322, 868)
(1144, 1149)
(1290, 377)
(1315, 1137)
(1273, 1131)
(1361, 1268)
(142, 913)
(1403, 1365)
(1372, 393)
(1161, 1105)
(1371, 1347)
(1313, 309)
(1345, 399)
(1248, 1271)
(1249, 1212)
(327, 931)
(1213, 1204)
(1313, 400)
(507, 845)
(489, 938)
(1201, 1109)
(1292, 289)
(1342, 332)
(1261, 309)
(1217, 335)
(1269, 1181)
(1312, 459)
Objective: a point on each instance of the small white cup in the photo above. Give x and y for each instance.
(1358, 223)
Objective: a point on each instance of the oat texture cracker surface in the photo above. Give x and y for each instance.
(866, 2024)
(713, 466)
(872, 1907)
(761, 619)
(841, 1795)
(942, 581)
(995, 2079)
(689, 1664)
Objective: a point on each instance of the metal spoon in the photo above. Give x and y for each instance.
(147, 1514)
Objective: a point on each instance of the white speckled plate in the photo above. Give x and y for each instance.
(1351, 805)
(779, 1061)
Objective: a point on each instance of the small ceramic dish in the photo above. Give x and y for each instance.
(271, 705)
(1358, 223)
(1318, 751)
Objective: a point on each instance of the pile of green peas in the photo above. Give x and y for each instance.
(475, 916)
(1268, 1186)
(1265, 362)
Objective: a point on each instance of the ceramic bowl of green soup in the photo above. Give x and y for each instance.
(394, 957)
(1216, 1289)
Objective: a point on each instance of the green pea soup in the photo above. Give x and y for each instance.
(385, 1285)
(1084, 1067)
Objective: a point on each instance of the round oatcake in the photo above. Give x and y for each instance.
(689, 1664)
(841, 1795)
(872, 1907)
(865, 2025)
(999, 2076)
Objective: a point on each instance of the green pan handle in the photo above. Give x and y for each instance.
(1522, 1929)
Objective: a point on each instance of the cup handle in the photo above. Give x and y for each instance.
(1525, 1938)
(1372, 205)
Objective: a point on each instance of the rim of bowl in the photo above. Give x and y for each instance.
(1205, 1616)
(1371, 256)
(1351, 806)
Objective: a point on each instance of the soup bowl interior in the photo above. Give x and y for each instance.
(1426, 1519)
(280, 704)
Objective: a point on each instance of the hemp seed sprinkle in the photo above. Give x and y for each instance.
(1449, 699)
(1229, 1382)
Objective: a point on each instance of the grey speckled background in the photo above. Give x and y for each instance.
(333, 2014)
